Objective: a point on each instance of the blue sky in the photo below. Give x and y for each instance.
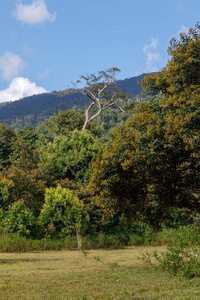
(47, 44)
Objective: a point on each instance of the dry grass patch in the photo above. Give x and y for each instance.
(95, 274)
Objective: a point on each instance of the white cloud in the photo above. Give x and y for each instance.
(43, 74)
(152, 58)
(153, 45)
(11, 65)
(20, 87)
(35, 13)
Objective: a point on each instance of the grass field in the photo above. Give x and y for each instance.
(95, 274)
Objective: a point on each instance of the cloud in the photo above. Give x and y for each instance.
(20, 87)
(35, 13)
(11, 65)
(43, 74)
(153, 45)
(151, 57)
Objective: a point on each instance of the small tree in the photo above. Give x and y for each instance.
(61, 214)
(101, 89)
(19, 219)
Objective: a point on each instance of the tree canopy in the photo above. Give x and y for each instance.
(153, 162)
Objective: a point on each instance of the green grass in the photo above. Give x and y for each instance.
(93, 274)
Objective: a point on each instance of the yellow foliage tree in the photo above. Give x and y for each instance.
(153, 163)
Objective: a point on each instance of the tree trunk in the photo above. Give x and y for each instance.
(79, 240)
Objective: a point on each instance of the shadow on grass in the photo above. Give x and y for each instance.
(19, 260)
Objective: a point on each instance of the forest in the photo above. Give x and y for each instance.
(128, 174)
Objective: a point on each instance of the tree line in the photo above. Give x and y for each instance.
(70, 174)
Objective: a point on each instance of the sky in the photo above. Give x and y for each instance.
(46, 44)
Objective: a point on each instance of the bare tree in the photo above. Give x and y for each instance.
(102, 90)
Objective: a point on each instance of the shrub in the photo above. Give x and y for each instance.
(183, 254)
(19, 219)
(177, 217)
(61, 214)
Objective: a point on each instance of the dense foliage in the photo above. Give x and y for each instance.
(153, 163)
(129, 173)
(61, 215)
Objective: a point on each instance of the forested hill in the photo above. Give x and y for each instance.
(35, 109)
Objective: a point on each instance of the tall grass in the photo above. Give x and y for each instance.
(13, 242)
(16, 243)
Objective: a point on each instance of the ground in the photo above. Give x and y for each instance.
(95, 274)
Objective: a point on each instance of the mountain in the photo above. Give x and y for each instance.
(33, 110)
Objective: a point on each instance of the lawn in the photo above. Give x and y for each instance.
(94, 274)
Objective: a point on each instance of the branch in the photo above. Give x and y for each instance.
(99, 111)
(119, 107)
(88, 94)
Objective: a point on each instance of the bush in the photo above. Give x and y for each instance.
(61, 214)
(177, 217)
(19, 219)
(183, 254)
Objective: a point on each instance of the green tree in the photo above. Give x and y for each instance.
(61, 213)
(69, 157)
(7, 137)
(24, 149)
(19, 219)
(68, 120)
(27, 179)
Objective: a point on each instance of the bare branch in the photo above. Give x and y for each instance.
(119, 107)
(98, 88)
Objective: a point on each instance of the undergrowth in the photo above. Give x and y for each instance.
(183, 253)
(182, 237)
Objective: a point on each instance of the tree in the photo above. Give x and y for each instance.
(61, 213)
(182, 72)
(69, 156)
(5, 192)
(154, 162)
(24, 149)
(27, 186)
(19, 219)
(24, 173)
(68, 120)
(101, 89)
(7, 137)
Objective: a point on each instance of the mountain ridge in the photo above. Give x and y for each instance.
(37, 108)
